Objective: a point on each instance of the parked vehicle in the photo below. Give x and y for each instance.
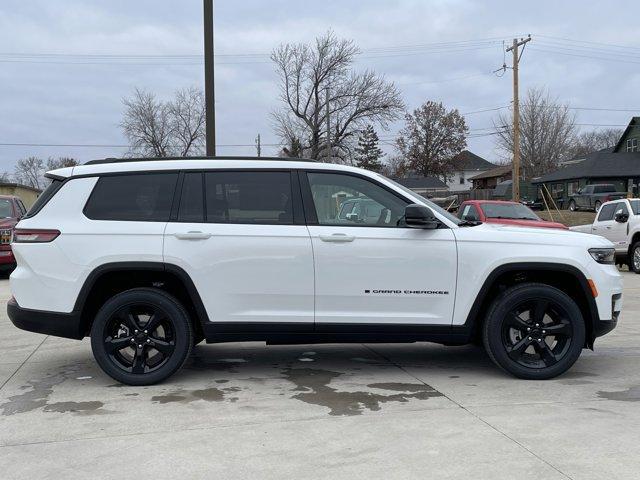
(505, 213)
(619, 222)
(528, 194)
(592, 197)
(149, 258)
(11, 211)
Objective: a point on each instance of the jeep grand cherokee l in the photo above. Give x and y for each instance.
(150, 257)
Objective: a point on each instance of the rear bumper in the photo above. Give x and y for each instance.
(6, 258)
(67, 325)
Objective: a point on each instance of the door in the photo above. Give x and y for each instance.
(619, 230)
(369, 270)
(241, 237)
(604, 223)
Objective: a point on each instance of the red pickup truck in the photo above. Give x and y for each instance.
(11, 211)
(508, 213)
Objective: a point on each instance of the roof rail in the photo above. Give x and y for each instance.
(155, 159)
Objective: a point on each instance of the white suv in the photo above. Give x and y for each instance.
(152, 257)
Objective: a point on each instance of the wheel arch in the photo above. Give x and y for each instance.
(111, 278)
(566, 278)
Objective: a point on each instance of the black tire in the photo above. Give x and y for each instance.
(534, 354)
(572, 206)
(634, 263)
(597, 205)
(129, 352)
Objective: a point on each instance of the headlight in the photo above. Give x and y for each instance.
(606, 256)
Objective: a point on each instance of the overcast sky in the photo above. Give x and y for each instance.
(66, 99)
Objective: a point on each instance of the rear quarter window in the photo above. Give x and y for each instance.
(44, 197)
(133, 197)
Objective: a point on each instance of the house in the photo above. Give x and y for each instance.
(27, 194)
(422, 185)
(491, 178)
(619, 165)
(468, 165)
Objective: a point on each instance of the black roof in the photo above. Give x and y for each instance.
(602, 164)
(467, 160)
(153, 159)
(421, 182)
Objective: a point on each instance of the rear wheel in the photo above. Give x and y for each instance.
(572, 206)
(534, 331)
(141, 336)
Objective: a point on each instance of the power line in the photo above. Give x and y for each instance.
(103, 145)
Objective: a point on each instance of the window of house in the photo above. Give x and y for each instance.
(573, 187)
(632, 145)
(461, 178)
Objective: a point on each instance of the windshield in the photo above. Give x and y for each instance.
(514, 211)
(5, 209)
(426, 201)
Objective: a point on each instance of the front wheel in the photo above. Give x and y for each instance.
(572, 206)
(634, 258)
(534, 331)
(141, 336)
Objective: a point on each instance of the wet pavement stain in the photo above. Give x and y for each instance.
(313, 385)
(631, 394)
(33, 399)
(74, 407)
(211, 394)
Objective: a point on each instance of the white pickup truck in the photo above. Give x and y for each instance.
(619, 222)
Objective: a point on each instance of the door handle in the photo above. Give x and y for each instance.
(192, 235)
(337, 238)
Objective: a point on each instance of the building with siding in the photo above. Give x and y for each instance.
(468, 165)
(619, 166)
(27, 194)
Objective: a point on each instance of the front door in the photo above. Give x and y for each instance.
(241, 237)
(369, 270)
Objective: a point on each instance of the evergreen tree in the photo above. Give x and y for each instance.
(368, 153)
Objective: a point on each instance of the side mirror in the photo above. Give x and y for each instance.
(420, 216)
(621, 217)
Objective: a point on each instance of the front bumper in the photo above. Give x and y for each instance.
(67, 325)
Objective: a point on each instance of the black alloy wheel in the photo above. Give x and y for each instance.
(534, 331)
(141, 336)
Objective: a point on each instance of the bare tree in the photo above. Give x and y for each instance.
(155, 128)
(394, 166)
(60, 162)
(547, 130)
(431, 138)
(316, 81)
(594, 140)
(29, 171)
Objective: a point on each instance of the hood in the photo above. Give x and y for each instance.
(527, 223)
(500, 233)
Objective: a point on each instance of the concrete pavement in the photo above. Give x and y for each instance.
(321, 411)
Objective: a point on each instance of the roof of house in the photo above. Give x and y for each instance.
(634, 123)
(421, 182)
(601, 164)
(19, 185)
(467, 160)
(494, 172)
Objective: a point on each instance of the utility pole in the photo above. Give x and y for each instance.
(329, 146)
(209, 80)
(258, 146)
(516, 117)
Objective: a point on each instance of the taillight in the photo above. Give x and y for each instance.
(27, 235)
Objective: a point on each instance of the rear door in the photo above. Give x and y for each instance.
(372, 271)
(241, 237)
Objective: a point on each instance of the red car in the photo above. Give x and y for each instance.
(11, 210)
(507, 213)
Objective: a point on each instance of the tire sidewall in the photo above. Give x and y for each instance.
(508, 301)
(572, 206)
(631, 263)
(179, 321)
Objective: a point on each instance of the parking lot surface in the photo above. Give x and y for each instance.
(321, 411)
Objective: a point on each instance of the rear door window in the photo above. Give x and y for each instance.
(142, 197)
(249, 197)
